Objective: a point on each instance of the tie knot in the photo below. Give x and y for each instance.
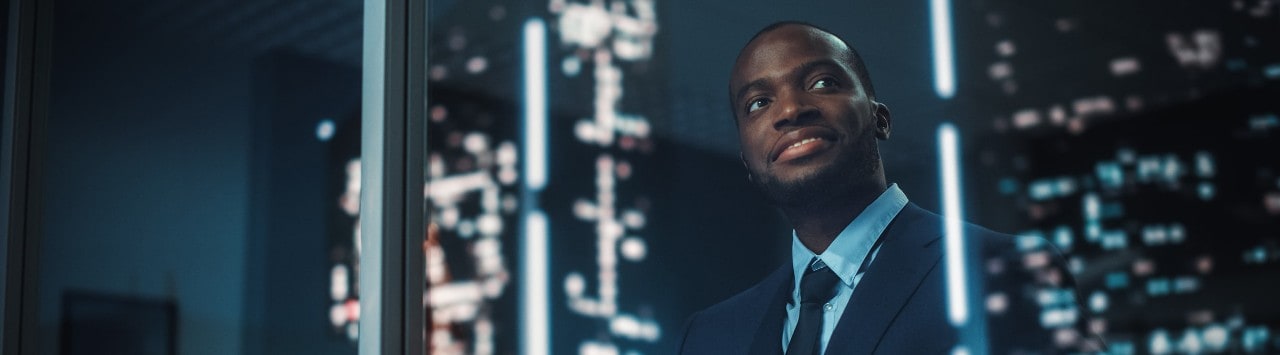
(818, 285)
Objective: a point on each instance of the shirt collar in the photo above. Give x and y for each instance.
(845, 255)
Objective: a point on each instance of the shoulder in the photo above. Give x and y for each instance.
(1027, 287)
(914, 219)
(993, 244)
(748, 302)
(732, 323)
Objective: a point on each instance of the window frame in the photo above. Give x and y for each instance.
(26, 92)
(393, 153)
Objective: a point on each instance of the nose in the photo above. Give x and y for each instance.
(794, 108)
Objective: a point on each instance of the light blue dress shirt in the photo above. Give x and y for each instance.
(845, 258)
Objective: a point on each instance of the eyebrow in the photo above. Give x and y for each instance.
(744, 89)
(804, 69)
(813, 66)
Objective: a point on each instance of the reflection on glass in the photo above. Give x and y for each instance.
(566, 91)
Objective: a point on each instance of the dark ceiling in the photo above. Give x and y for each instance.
(330, 29)
(701, 38)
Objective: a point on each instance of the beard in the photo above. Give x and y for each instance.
(832, 184)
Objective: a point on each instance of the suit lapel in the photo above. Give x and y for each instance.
(777, 288)
(908, 253)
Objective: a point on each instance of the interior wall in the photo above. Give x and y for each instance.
(147, 175)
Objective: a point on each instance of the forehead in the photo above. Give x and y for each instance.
(785, 47)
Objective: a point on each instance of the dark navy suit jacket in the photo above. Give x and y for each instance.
(899, 307)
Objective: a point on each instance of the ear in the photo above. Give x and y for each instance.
(744, 166)
(884, 120)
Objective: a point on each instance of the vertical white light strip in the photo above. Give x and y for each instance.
(536, 303)
(944, 78)
(371, 164)
(535, 100)
(948, 154)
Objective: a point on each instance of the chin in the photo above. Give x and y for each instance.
(803, 188)
(819, 185)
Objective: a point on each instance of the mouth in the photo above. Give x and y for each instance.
(801, 143)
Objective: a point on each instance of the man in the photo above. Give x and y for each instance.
(865, 275)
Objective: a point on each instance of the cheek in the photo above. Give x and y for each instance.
(753, 145)
(861, 123)
(754, 160)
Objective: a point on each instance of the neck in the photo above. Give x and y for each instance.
(818, 224)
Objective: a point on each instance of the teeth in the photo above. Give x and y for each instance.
(803, 142)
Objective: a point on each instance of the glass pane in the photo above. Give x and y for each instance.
(1129, 147)
(473, 176)
(198, 196)
(554, 174)
(584, 168)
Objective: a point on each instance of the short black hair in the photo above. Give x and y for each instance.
(854, 60)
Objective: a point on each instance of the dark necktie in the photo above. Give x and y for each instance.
(816, 288)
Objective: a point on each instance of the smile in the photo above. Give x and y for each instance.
(802, 142)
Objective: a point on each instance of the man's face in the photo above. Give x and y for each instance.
(804, 122)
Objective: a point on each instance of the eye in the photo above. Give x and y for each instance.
(757, 104)
(825, 83)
